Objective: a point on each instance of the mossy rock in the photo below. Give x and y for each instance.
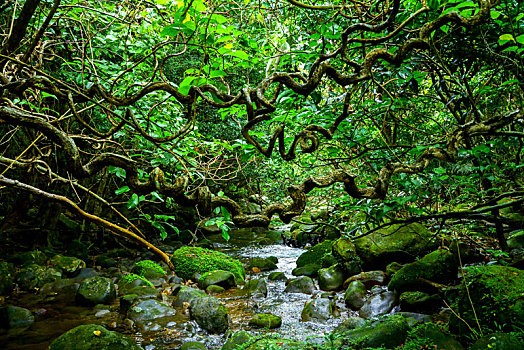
(438, 266)
(401, 243)
(498, 341)
(310, 270)
(130, 281)
(262, 264)
(96, 290)
(149, 270)
(93, 337)
(224, 279)
(419, 302)
(7, 277)
(343, 250)
(29, 258)
(191, 260)
(187, 295)
(320, 309)
(314, 254)
(265, 321)
(355, 295)
(430, 336)
(149, 310)
(331, 278)
(210, 314)
(328, 260)
(238, 338)
(277, 276)
(35, 276)
(15, 317)
(193, 345)
(257, 287)
(302, 284)
(69, 265)
(496, 292)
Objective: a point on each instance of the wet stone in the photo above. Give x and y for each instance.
(222, 278)
(149, 310)
(210, 314)
(355, 295)
(378, 304)
(368, 278)
(331, 278)
(70, 266)
(265, 321)
(319, 309)
(277, 276)
(301, 284)
(96, 290)
(15, 317)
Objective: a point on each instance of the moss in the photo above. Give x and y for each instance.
(314, 254)
(191, 260)
(131, 278)
(148, 269)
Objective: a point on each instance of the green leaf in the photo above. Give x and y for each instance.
(133, 201)
(520, 39)
(225, 213)
(122, 189)
(506, 37)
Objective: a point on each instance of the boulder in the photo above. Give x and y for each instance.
(319, 309)
(96, 290)
(378, 304)
(7, 277)
(70, 266)
(15, 317)
(401, 243)
(331, 278)
(438, 266)
(314, 255)
(187, 295)
(210, 314)
(497, 341)
(224, 279)
(310, 270)
(496, 293)
(257, 288)
(35, 276)
(277, 276)
(369, 278)
(345, 253)
(261, 264)
(149, 270)
(268, 321)
(91, 336)
(388, 333)
(355, 295)
(193, 345)
(148, 310)
(420, 302)
(430, 336)
(238, 338)
(214, 289)
(301, 284)
(191, 260)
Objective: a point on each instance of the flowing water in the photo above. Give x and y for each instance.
(59, 312)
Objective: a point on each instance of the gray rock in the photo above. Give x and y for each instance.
(355, 295)
(96, 290)
(301, 284)
(187, 295)
(262, 264)
(15, 317)
(222, 278)
(257, 288)
(331, 278)
(210, 314)
(369, 278)
(149, 310)
(378, 304)
(319, 309)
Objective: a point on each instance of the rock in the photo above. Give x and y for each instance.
(35, 276)
(191, 260)
(328, 260)
(268, 321)
(149, 270)
(7, 277)
(131, 281)
(369, 278)
(516, 240)
(496, 292)
(331, 278)
(419, 302)
(497, 341)
(402, 243)
(15, 317)
(66, 288)
(378, 304)
(224, 279)
(430, 336)
(144, 292)
(277, 276)
(262, 264)
(149, 310)
(345, 253)
(319, 309)
(210, 314)
(70, 266)
(187, 295)
(193, 345)
(416, 316)
(96, 290)
(389, 333)
(91, 336)
(126, 301)
(257, 287)
(35, 257)
(438, 266)
(106, 261)
(392, 268)
(238, 338)
(314, 254)
(351, 323)
(355, 295)
(301, 284)
(273, 259)
(85, 273)
(310, 270)
(214, 289)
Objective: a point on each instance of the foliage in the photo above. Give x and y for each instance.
(132, 277)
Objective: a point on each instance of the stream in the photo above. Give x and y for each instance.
(56, 312)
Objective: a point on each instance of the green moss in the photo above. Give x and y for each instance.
(191, 260)
(315, 254)
(148, 269)
(130, 278)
